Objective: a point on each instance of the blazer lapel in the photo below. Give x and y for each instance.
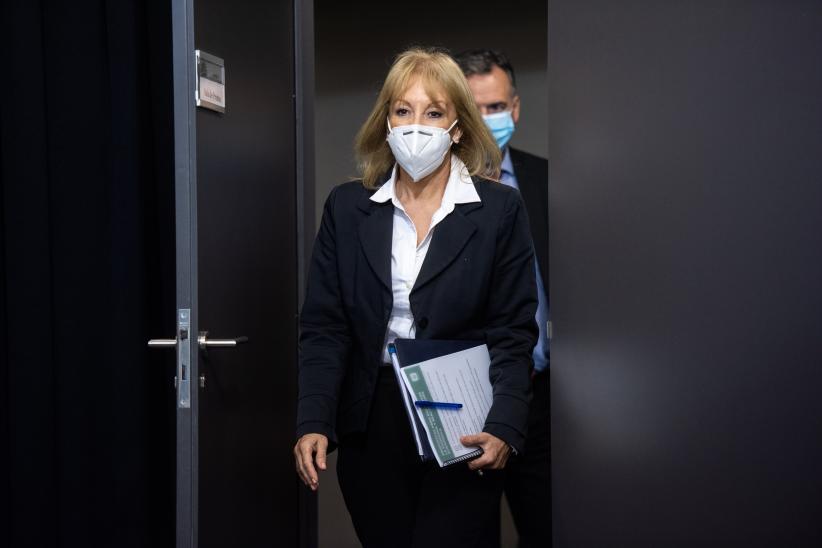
(533, 186)
(375, 237)
(449, 238)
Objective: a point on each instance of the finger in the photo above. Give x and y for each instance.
(299, 462)
(498, 464)
(480, 462)
(502, 452)
(307, 451)
(322, 447)
(303, 471)
(473, 439)
(307, 454)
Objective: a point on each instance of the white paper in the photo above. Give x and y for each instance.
(461, 377)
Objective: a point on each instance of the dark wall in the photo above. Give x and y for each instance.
(686, 223)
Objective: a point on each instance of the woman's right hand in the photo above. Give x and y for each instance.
(304, 453)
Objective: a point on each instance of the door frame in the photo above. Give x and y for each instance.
(185, 191)
(306, 229)
(185, 199)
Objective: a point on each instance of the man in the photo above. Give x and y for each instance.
(528, 476)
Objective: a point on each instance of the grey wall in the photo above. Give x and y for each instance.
(356, 42)
(686, 273)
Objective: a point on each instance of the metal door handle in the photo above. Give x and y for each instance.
(168, 343)
(202, 340)
(183, 346)
(205, 342)
(162, 343)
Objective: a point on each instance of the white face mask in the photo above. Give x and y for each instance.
(419, 149)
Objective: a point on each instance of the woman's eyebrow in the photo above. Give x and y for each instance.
(438, 104)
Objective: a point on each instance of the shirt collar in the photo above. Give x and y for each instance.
(507, 165)
(458, 190)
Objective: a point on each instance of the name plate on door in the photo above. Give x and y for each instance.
(210, 91)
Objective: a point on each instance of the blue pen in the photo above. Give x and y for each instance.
(440, 404)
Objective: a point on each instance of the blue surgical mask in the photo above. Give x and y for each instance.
(501, 125)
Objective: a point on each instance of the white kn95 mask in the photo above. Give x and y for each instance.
(419, 149)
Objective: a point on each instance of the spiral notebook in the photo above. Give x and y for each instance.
(443, 371)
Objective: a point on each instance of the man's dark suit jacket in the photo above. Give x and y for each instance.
(477, 283)
(532, 179)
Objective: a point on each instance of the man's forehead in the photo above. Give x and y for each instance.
(491, 86)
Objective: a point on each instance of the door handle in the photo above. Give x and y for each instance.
(202, 340)
(162, 343)
(181, 380)
(206, 343)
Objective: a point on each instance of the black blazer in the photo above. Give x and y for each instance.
(477, 283)
(532, 178)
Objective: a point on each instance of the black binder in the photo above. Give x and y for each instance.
(413, 351)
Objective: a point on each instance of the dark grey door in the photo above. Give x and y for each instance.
(686, 273)
(237, 278)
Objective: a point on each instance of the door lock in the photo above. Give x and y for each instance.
(183, 345)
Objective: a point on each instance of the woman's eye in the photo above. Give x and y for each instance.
(435, 114)
(401, 111)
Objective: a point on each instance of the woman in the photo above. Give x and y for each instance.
(416, 249)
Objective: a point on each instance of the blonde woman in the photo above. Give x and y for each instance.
(426, 245)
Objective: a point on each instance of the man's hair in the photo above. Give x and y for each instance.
(482, 61)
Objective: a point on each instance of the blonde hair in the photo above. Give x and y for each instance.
(439, 73)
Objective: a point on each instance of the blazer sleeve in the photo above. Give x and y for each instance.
(324, 335)
(511, 331)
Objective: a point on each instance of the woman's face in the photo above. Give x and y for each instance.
(415, 106)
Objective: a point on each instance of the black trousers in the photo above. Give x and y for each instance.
(528, 476)
(397, 501)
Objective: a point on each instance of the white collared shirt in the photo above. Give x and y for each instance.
(406, 256)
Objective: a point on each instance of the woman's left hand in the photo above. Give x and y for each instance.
(495, 451)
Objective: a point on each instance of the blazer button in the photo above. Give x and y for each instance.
(422, 323)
